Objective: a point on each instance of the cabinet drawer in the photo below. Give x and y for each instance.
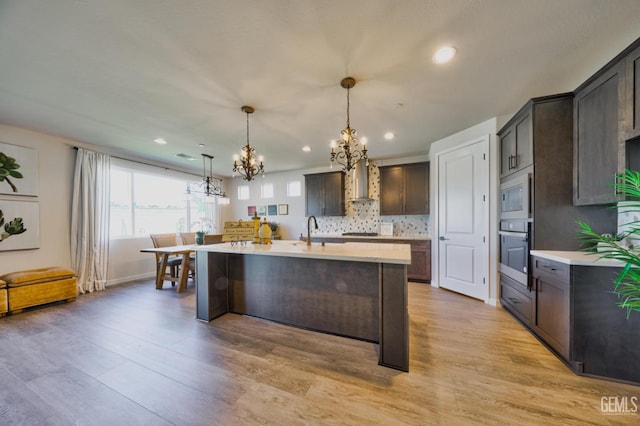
(516, 301)
(550, 270)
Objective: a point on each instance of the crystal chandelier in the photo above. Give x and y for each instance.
(348, 153)
(208, 186)
(246, 164)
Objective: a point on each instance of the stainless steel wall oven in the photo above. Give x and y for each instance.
(514, 250)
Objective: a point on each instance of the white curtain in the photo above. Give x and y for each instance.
(90, 220)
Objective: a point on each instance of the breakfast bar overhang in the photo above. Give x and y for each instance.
(356, 290)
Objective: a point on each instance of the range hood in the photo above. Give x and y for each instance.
(360, 182)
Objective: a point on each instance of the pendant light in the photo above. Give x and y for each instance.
(348, 152)
(246, 164)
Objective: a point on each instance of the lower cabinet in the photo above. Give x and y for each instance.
(552, 307)
(420, 267)
(573, 310)
(517, 299)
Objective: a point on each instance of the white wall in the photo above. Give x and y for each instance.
(56, 162)
(291, 225)
(489, 127)
(55, 175)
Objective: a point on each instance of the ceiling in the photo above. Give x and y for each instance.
(117, 74)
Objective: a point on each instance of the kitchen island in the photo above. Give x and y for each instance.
(357, 290)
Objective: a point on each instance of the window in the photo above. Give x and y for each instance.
(266, 190)
(145, 203)
(243, 192)
(293, 188)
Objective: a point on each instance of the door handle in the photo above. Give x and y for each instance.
(442, 238)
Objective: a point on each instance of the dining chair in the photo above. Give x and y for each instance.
(213, 238)
(167, 240)
(188, 238)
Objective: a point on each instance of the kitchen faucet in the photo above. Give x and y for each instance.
(309, 228)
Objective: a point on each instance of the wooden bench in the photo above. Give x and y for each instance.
(36, 287)
(4, 306)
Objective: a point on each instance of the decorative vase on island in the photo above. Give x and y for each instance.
(265, 232)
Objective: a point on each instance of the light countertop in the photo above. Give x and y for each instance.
(349, 252)
(580, 258)
(372, 237)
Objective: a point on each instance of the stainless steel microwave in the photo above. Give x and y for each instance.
(515, 197)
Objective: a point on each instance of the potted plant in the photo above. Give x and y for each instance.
(200, 237)
(627, 284)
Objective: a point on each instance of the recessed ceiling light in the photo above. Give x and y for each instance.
(306, 148)
(201, 145)
(444, 55)
(160, 141)
(389, 135)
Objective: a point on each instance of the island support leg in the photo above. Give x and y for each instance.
(394, 317)
(212, 285)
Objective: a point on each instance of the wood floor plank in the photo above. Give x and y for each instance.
(136, 355)
(169, 399)
(19, 405)
(85, 401)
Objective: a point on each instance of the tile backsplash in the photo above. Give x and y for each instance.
(364, 216)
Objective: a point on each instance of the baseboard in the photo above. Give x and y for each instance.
(491, 301)
(146, 276)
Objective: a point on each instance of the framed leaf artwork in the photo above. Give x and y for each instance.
(19, 225)
(18, 170)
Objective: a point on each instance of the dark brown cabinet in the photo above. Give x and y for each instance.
(517, 299)
(551, 285)
(576, 315)
(404, 189)
(550, 119)
(324, 194)
(420, 268)
(516, 144)
(632, 98)
(598, 144)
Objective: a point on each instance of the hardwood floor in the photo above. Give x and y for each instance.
(135, 355)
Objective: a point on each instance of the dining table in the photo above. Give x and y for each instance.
(164, 254)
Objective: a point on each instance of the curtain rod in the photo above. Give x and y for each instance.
(149, 164)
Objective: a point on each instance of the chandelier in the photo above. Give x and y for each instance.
(246, 164)
(208, 187)
(348, 153)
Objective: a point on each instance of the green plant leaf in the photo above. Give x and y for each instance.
(627, 284)
(15, 227)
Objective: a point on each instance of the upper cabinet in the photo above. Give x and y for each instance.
(550, 123)
(324, 194)
(598, 137)
(606, 116)
(404, 189)
(632, 99)
(516, 144)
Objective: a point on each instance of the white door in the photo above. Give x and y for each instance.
(463, 220)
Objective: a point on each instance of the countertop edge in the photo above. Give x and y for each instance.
(330, 251)
(577, 258)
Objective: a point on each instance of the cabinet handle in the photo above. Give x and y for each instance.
(513, 300)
